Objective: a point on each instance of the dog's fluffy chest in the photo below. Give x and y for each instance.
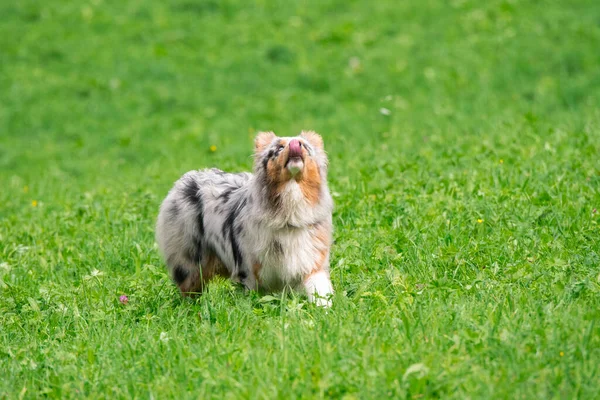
(288, 255)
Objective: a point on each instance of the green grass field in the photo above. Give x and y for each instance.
(464, 144)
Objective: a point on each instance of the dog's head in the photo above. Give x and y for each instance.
(282, 161)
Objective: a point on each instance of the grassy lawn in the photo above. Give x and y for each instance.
(464, 145)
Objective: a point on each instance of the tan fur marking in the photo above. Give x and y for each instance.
(311, 273)
(192, 285)
(213, 267)
(319, 265)
(310, 181)
(322, 235)
(256, 267)
(322, 242)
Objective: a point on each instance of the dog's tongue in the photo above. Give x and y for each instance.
(295, 148)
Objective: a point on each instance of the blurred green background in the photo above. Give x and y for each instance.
(143, 85)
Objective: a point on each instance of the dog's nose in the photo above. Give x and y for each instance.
(295, 148)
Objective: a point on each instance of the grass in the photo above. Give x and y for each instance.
(463, 138)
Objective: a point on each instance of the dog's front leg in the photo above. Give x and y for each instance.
(318, 288)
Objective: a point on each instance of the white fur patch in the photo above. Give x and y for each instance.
(318, 289)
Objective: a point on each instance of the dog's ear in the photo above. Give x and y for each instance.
(313, 138)
(263, 139)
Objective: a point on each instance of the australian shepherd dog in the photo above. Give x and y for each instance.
(269, 230)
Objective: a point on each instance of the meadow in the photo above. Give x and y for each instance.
(464, 143)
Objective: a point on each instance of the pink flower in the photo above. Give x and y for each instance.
(124, 299)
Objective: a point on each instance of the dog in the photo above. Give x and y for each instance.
(269, 230)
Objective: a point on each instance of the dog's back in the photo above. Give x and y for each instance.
(193, 221)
